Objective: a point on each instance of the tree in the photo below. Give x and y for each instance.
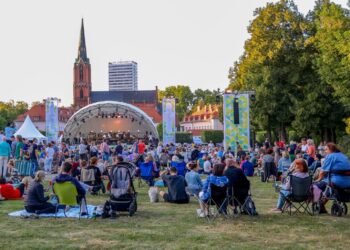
(270, 65)
(10, 110)
(184, 97)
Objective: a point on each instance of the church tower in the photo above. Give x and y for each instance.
(81, 74)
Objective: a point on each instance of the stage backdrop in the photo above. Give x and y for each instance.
(169, 128)
(234, 133)
(51, 116)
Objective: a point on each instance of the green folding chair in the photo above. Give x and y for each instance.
(67, 195)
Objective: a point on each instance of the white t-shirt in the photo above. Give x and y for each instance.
(49, 152)
(207, 166)
(304, 148)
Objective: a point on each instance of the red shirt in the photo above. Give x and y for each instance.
(9, 192)
(141, 148)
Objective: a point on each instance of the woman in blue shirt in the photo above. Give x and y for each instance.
(335, 164)
(193, 179)
(284, 163)
(218, 179)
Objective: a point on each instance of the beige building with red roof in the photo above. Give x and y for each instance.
(204, 118)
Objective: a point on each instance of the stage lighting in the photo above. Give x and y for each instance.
(126, 117)
(122, 116)
(132, 119)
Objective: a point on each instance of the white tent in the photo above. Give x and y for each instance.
(29, 131)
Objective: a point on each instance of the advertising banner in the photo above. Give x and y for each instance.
(236, 121)
(51, 116)
(169, 128)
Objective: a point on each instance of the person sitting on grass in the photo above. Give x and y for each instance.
(13, 192)
(65, 176)
(218, 179)
(97, 182)
(301, 171)
(36, 201)
(176, 187)
(193, 179)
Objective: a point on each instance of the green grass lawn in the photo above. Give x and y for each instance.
(170, 226)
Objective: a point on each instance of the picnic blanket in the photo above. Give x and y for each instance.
(73, 212)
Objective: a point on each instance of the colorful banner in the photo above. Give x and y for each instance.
(51, 116)
(169, 128)
(235, 134)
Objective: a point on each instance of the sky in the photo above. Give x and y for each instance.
(188, 42)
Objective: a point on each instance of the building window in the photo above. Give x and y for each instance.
(81, 94)
(81, 71)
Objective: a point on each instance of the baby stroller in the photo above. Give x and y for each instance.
(123, 195)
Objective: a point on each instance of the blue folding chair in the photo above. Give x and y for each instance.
(180, 166)
(146, 173)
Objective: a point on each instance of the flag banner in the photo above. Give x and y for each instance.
(51, 116)
(169, 127)
(236, 121)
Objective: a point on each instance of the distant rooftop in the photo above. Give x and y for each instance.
(122, 62)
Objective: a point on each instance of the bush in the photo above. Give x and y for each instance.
(216, 136)
(182, 137)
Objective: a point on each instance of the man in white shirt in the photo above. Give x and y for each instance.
(207, 166)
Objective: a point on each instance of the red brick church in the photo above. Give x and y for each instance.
(146, 100)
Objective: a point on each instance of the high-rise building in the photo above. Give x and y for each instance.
(122, 75)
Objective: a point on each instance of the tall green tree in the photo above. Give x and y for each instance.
(270, 65)
(184, 97)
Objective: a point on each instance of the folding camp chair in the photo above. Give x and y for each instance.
(180, 166)
(300, 193)
(241, 202)
(269, 169)
(216, 205)
(146, 173)
(67, 195)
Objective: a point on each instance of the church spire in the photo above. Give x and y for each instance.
(82, 46)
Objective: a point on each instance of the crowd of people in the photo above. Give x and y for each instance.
(87, 165)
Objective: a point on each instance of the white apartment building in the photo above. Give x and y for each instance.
(122, 75)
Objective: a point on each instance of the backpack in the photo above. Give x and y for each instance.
(106, 212)
(250, 207)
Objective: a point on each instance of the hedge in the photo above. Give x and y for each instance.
(182, 137)
(216, 136)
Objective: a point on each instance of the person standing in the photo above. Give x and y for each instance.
(19, 147)
(10, 130)
(141, 147)
(5, 152)
(33, 154)
(49, 153)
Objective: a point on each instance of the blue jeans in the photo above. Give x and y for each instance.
(105, 156)
(35, 166)
(281, 200)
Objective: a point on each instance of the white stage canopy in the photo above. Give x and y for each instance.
(29, 131)
(109, 116)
